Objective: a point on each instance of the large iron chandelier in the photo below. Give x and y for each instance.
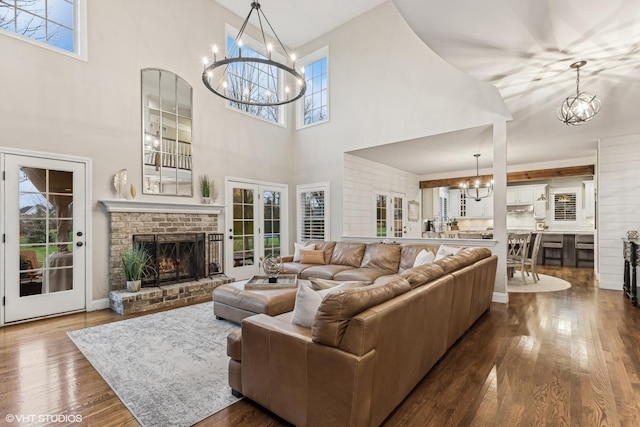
(253, 79)
(473, 190)
(581, 107)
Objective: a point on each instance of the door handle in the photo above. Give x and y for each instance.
(79, 244)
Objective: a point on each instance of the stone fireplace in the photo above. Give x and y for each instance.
(152, 220)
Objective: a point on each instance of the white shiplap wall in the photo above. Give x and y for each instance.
(362, 178)
(618, 203)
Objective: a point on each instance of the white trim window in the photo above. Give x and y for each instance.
(56, 24)
(267, 79)
(313, 211)
(313, 108)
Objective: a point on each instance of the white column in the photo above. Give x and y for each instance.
(500, 208)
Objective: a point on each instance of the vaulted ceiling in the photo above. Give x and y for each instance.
(524, 48)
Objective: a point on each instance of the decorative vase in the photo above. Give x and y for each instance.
(206, 200)
(632, 234)
(134, 285)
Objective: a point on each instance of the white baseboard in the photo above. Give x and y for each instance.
(500, 297)
(99, 304)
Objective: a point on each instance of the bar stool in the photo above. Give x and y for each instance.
(584, 242)
(552, 242)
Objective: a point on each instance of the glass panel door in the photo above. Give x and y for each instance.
(256, 225)
(45, 251)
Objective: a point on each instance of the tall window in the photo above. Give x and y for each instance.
(381, 215)
(313, 208)
(51, 22)
(314, 106)
(253, 78)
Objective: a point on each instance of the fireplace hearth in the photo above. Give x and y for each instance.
(175, 257)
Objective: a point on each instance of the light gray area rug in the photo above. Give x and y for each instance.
(168, 368)
(545, 284)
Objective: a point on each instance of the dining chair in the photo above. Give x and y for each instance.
(531, 260)
(518, 248)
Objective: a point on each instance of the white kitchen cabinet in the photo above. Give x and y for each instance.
(521, 194)
(462, 206)
(454, 203)
(589, 199)
(475, 209)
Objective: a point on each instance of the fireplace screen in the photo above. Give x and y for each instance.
(175, 258)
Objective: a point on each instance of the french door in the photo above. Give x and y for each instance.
(44, 265)
(256, 224)
(390, 214)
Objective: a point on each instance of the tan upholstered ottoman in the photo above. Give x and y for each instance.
(233, 302)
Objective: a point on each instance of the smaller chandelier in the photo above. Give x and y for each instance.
(473, 190)
(253, 79)
(578, 109)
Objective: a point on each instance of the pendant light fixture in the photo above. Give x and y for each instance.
(473, 190)
(581, 107)
(253, 79)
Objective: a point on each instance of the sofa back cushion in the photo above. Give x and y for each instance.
(409, 253)
(422, 274)
(336, 309)
(348, 253)
(326, 246)
(462, 259)
(383, 256)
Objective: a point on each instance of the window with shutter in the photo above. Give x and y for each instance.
(313, 206)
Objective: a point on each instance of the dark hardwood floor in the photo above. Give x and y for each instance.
(568, 358)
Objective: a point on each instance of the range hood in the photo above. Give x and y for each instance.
(519, 208)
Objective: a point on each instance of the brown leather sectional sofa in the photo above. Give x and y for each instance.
(368, 347)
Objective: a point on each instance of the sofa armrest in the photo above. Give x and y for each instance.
(284, 371)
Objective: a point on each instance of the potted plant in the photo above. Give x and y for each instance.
(135, 263)
(206, 188)
(453, 223)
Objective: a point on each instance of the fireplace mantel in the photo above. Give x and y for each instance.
(160, 207)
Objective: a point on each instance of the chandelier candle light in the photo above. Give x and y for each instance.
(235, 77)
(467, 187)
(581, 107)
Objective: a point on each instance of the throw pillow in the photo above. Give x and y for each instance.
(318, 284)
(424, 257)
(445, 251)
(308, 301)
(297, 246)
(312, 256)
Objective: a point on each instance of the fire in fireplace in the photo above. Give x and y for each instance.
(175, 257)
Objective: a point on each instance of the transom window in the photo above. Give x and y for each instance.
(314, 107)
(254, 78)
(51, 22)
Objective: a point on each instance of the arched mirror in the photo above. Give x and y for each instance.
(166, 134)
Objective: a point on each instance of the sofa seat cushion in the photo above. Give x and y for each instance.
(422, 274)
(323, 271)
(348, 253)
(365, 274)
(409, 253)
(382, 256)
(337, 309)
(295, 267)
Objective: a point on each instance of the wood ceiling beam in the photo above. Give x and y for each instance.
(534, 175)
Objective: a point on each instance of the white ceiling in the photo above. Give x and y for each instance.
(524, 48)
